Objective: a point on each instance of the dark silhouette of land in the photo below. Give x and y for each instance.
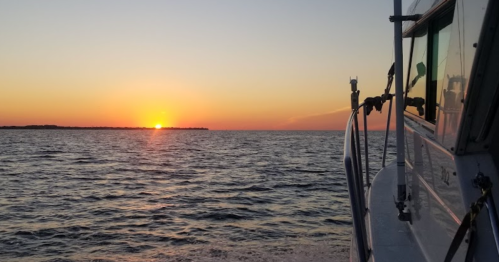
(99, 127)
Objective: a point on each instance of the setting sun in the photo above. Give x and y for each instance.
(158, 126)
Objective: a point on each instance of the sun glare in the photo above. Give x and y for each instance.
(158, 126)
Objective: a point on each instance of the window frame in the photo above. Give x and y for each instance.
(431, 25)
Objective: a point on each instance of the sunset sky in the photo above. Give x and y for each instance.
(221, 64)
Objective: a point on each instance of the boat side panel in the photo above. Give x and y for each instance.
(436, 203)
(467, 168)
(439, 182)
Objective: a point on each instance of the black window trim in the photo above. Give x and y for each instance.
(431, 95)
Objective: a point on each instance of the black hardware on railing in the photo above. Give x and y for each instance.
(355, 188)
(483, 182)
(353, 163)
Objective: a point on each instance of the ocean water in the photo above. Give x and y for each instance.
(157, 195)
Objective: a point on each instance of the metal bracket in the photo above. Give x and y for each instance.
(355, 94)
(403, 215)
(402, 18)
(481, 181)
(373, 102)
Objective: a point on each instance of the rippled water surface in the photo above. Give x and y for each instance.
(79, 195)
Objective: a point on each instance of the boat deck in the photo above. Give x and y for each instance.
(392, 240)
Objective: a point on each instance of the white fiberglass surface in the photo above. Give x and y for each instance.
(436, 203)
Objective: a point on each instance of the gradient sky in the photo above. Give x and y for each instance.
(221, 64)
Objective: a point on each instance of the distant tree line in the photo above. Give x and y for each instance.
(98, 127)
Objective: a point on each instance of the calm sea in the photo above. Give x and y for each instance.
(88, 195)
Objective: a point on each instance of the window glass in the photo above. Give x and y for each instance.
(416, 91)
(440, 39)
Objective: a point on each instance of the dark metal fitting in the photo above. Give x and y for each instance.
(387, 97)
(403, 216)
(481, 181)
(375, 102)
(398, 18)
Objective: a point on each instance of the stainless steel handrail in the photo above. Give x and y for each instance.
(353, 167)
(355, 186)
(366, 149)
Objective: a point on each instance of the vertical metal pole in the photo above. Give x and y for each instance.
(358, 218)
(359, 202)
(354, 159)
(355, 137)
(356, 191)
(359, 155)
(386, 133)
(365, 147)
(355, 107)
(358, 172)
(399, 109)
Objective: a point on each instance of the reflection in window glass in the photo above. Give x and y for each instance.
(417, 77)
(441, 39)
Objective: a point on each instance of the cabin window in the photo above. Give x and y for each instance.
(427, 67)
(440, 45)
(416, 90)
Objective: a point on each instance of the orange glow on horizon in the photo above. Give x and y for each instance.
(158, 126)
(206, 67)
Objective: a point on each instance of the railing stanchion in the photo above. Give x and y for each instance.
(358, 218)
(356, 192)
(386, 132)
(358, 172)
(359, 154)
(354, 157)
(399, 107)
(353, 167)
(366, 148)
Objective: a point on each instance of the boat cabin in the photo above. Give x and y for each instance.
(449, 140)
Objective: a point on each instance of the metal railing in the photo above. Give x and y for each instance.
(355, 176)
(355, 188)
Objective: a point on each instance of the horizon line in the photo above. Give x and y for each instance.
(56, 127)
(97, 127)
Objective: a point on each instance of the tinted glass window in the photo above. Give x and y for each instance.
(416, 96)
(441, 38)
(427, 69)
